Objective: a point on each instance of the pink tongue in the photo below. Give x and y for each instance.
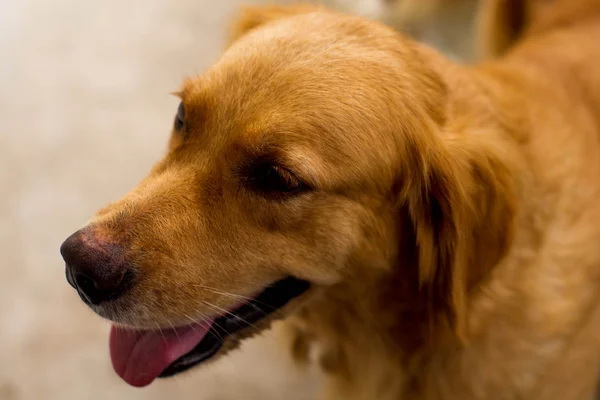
(140, 356)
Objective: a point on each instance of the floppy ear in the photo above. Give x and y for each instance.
(461, 206)
(440, 211)
(253, 17)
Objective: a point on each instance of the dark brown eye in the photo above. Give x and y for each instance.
(272, 179)
(179, 118)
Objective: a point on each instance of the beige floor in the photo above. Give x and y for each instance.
(84, 111)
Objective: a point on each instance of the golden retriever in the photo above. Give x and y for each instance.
(434, 228)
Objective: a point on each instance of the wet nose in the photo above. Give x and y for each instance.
(95, 268)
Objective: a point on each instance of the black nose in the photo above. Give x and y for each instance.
(94, 267)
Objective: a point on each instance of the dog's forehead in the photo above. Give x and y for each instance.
(277, 74)
(295, 51)
(311, 90)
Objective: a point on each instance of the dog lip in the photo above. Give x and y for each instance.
(207, 348)
(274, 297)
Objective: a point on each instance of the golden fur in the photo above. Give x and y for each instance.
(452, 224)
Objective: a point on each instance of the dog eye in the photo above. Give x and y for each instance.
(270, 178)
(179, 117)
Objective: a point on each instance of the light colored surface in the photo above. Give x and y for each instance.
(84, 111)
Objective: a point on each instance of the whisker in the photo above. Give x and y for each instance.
(232, 314)
(160, 331)
(246, 300)
(223, 292)
(213, 332)
(174, 330)
(204, 319)
(195, 321)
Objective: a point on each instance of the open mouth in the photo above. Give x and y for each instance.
(139, 357)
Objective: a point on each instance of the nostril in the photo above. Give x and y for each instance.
(86, 284)
(94, 293)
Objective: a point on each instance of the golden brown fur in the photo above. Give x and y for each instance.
(452, 225)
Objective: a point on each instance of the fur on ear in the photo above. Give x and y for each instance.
(253, 17)
(439, 209)
(461, 206)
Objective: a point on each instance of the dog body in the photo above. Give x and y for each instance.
(533, 319)
(446, 216)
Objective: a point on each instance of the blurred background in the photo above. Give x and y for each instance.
(84, 112)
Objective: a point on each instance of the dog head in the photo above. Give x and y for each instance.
(307, 156)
